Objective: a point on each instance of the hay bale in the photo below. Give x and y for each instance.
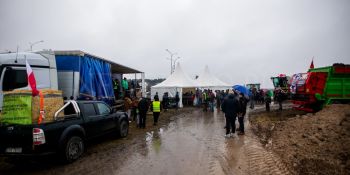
(53, 101)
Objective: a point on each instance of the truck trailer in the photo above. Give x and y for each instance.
(79, 75)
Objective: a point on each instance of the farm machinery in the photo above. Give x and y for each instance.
(321, 86)
(281, 83)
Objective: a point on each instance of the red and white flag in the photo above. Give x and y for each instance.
(31, 79)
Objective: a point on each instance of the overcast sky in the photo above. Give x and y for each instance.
(242, 41)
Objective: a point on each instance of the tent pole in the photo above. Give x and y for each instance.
(143, 84)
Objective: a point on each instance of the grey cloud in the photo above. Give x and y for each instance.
(241, 41)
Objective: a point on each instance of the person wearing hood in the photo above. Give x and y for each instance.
(230, 107)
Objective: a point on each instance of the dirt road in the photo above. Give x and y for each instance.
(191, 143)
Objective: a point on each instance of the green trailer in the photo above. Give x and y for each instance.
(324, 85)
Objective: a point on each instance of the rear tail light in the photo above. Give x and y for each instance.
(38, 136)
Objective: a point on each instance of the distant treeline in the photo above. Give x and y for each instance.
(152, 82)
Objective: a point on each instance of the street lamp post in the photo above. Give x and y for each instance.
(175, 63)
(32, 44)
(171, 60)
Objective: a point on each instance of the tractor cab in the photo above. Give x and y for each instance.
(281, 81)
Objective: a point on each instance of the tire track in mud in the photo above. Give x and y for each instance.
(261, 161)
(258, 159)
(217, 163)
(213, 154)
(212, 141)
(241, 155)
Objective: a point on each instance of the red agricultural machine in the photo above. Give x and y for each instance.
(321, 86)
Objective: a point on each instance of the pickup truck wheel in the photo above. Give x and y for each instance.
(123, 129)
(74, 148)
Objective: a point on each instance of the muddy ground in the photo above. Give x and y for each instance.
(307, 143)
(188, 141)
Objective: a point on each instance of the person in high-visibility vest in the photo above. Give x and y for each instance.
(205, 100)
(156, 108)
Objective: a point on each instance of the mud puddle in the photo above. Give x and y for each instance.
(188, 143)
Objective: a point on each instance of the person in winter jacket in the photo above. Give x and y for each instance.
(267, 102)
(165, 101)
(230, 107)
(177, 100)
(143, 106)
(279, 98)
(128, 106)
(242, 111)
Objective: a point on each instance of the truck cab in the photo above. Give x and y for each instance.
(13, 73)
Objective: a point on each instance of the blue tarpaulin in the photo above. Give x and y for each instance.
(68, 63)
(95, 79)
(95, 76)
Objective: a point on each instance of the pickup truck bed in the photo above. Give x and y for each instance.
(66, 136)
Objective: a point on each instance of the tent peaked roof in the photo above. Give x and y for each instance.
(177, 79)
(206, 79)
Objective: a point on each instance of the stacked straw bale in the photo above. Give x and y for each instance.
(53, 101)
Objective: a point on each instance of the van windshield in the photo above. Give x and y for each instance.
(14, 79)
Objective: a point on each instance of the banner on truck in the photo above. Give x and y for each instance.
(17, 109)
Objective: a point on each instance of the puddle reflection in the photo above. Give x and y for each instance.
(154, 140)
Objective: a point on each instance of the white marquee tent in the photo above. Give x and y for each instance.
(179, 80)
(208, 81)
(174, 83)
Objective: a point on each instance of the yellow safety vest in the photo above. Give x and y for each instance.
(115, 85)
(156, 106)
(205, 96)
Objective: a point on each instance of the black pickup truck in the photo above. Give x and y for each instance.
(74, 124)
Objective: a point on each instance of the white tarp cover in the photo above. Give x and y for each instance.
(207, 80)
(174, 83)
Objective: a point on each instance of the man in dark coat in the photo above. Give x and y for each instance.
(165, 101)
(143, 108)
(267, 102)
(177, 100)
(230, 107)
(156, 96)
(243, 109)
(279, 98)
